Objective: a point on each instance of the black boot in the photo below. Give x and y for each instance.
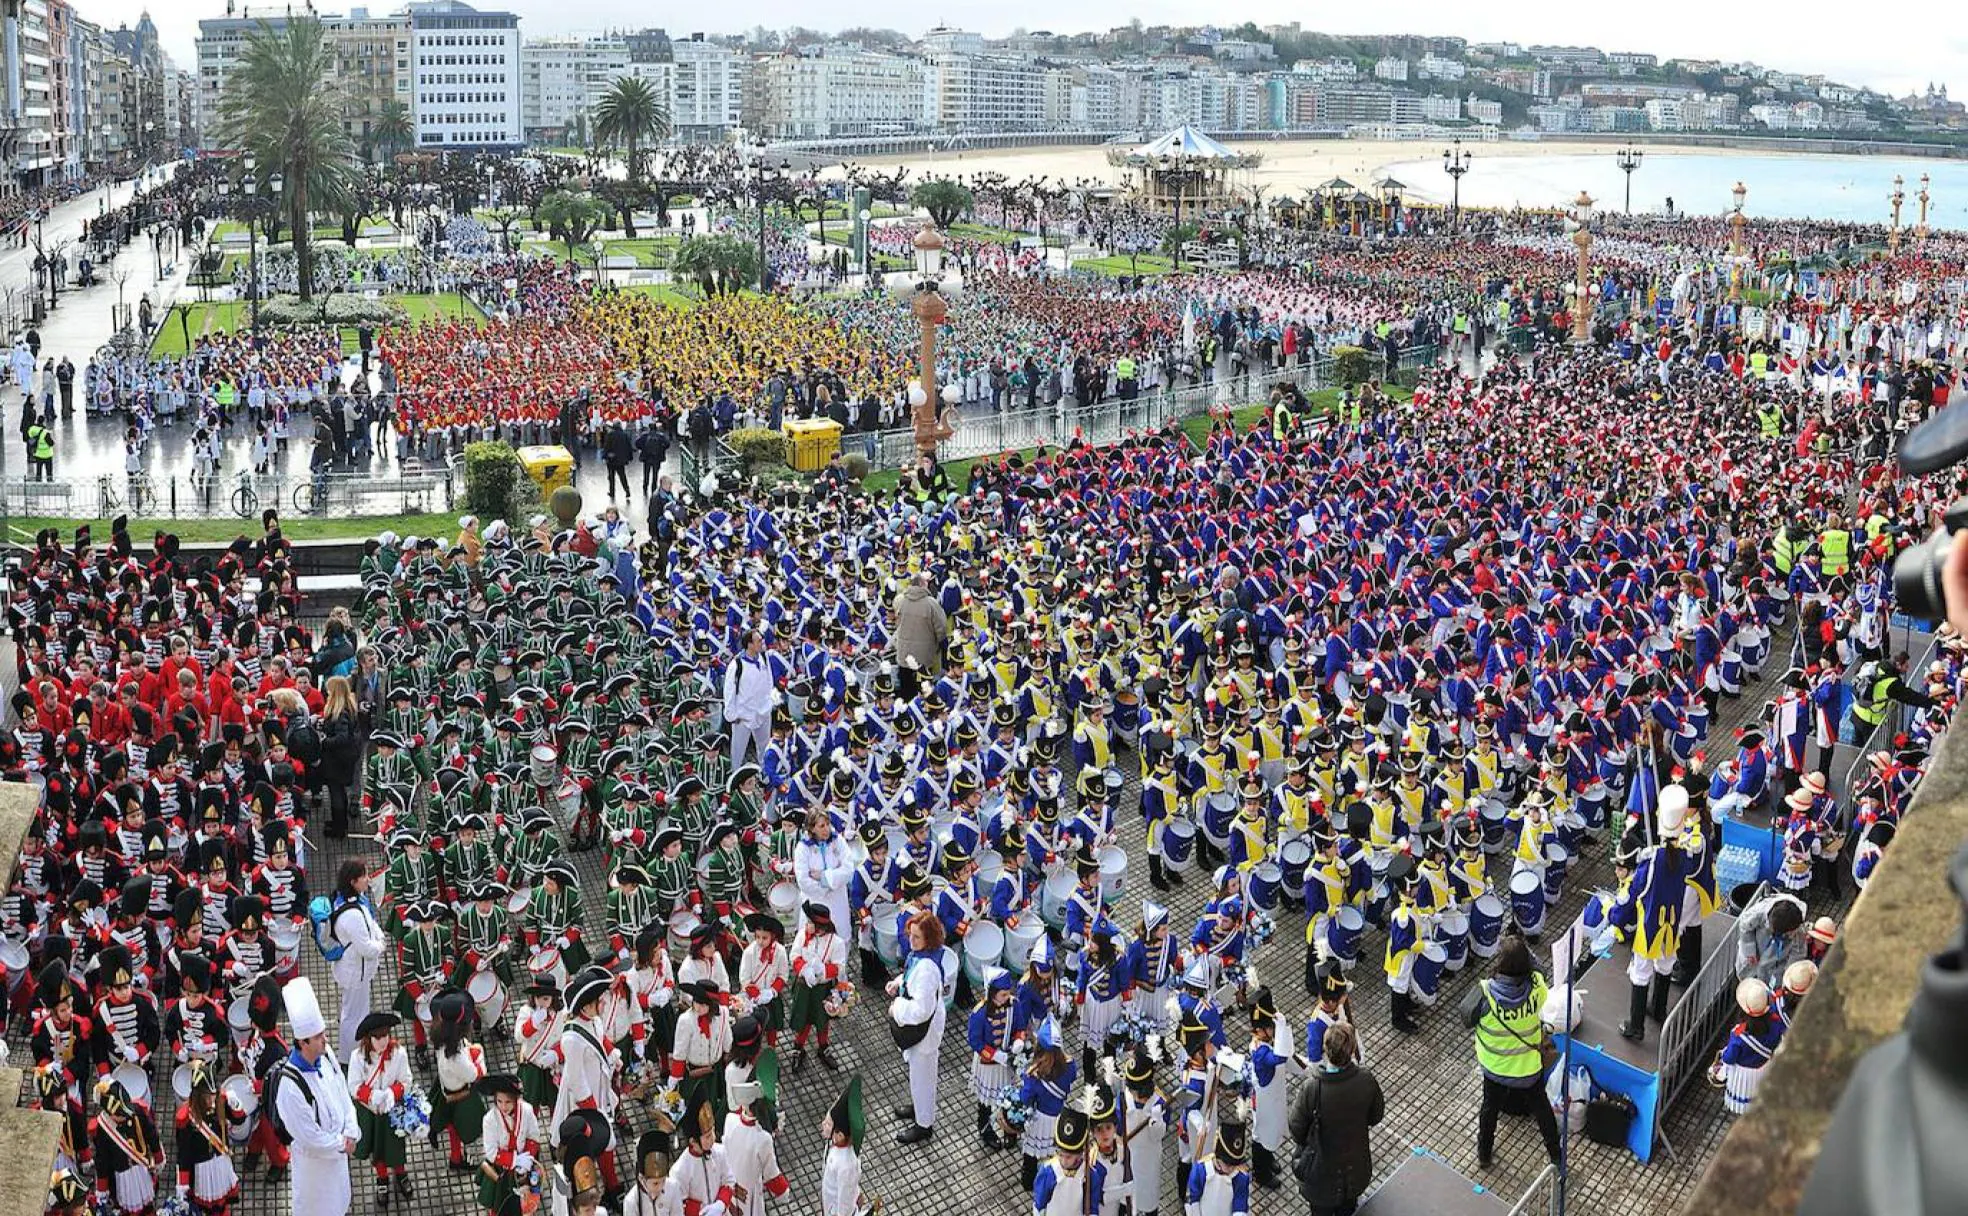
(382, 1194)
(1688, 956)
(1028, 1173)
(1635, 1025)
(1089, 1061)
(1266, 1167)
(1662, 991)
(1404, 1018)
(987, 1130)
(1157, 877)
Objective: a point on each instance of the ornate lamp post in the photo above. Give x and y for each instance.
(1582, 289)
(1628, 159)
(867, 236)
(1455, 163)
(930, 310)
(1920, 230)
(1896, 198)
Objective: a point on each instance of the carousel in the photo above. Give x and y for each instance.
(1185, 170)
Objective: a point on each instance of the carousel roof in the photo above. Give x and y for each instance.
(1186, 141)
(1337, 183)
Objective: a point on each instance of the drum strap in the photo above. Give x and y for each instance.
(135, 1152)
(211, 1137)
(382, 1061)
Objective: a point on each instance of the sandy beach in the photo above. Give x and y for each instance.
(1288, 165)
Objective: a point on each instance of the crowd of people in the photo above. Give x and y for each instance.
(1382, 683)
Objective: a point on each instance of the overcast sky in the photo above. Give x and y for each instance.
(1896, 55)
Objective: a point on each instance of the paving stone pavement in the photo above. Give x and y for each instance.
(1431, 1082)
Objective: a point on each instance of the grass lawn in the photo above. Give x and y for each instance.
(650, 252)
(226, 228)
(223, 317)
(1148, 265)
(876, 211)
(583, 254)
(672, 294)
(985, 232)
(437, 306)
(23, 527)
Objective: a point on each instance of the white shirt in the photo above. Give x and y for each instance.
(748, 690)
(840, 1183)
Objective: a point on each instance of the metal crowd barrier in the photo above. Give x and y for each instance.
(1688, 1036)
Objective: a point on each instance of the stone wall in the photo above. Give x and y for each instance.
(30, 1136)
(1905, 914)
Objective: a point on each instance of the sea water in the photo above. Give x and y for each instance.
(1788, 185)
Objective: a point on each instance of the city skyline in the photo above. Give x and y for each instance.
(1876, 56)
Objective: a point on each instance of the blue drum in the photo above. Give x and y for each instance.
(1591, 811)
(1179, 844)
(1295, 859)
(1453, 932)
(1263, 886)
(1571, 829)
(1496, 827)
(1485, 926)
(1343, 932)
(1426, 982)
(1557, 858)
(1527, 901)
(1218, 811)
(1125, 717)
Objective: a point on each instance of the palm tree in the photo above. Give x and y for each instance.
(282, 105)
(572, 218)
(627, 114)
(393, 129)
(721, 265)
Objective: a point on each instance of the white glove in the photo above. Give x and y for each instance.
(383, 1100)
(714, 1208)
(130, 1052)
(522, 1162)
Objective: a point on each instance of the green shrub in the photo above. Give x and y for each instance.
(495, 485)
(856, 466)
(1352, 365)
(331, 310)
(758, 445)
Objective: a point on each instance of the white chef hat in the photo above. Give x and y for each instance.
(303, 1010)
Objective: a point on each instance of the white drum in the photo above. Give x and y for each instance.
(888, 942)
(1113, 871)
(983, 946)
(238, 1015)
(546, 763)
(545, 964)
(424, 1008)
(13, 956)
(181, 1081)
(989, 865)
(683, 922)
(784, 898)
(286, 938)
(1020, 941)
(1054, 896)
(135, 1081)
(488, 997)
(520, 897)
(237, 1093)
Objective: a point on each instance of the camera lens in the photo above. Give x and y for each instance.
(1917, 578)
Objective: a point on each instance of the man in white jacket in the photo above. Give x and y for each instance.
(353, 924)
(313, 1105)
(748, 700)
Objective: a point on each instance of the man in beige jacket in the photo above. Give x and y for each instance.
(921, 629)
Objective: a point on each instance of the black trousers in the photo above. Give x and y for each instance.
(1512, 1100)
(618, 472)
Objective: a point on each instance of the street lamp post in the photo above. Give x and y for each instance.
(1920, 230)
(1736, 222)
(250, 186)
(1896, 198)
(1581, 292)
(1455, 163)
(930, 310)
(1628, 159)
(867, 239)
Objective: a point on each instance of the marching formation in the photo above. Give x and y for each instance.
(1402, 670)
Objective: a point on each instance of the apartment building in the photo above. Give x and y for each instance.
(561, 80)
(465, 66)
(839, 91)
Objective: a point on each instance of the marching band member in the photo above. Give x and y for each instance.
(128, 1152)
(1751, 1044)
(456, 1107)
(763, 972)
(652, 992)
(990, 1031)
(537, 1030)
(1219, 1184)
(655, 1192)
(1070, 1182)
(378, 1080)
(840, 1178)
(702, 1172)
(703, 1040)
(510, 1134)
(423, 963)
(1105, 985)
(1144, 1125)
(1044, 1088)
(1273, 1063)
(206, 1179)
(589, 1061)
(819, 969)
(751, 1154)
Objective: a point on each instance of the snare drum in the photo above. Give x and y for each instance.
(784, 898)
(517, 901)
(1179, 844)
(683, 922)
(983, 947)
(181, 1081)
(286, 938)
(1296, 858)
(546, 763)
(239, 1015)
(544, 964)
(1428, 965)
(237, 1092)
(1218, 811)
(1058, 890)
(14, 957)
(1113, 871)
(888, 941)
(488, 997)
(135, 1081)
(1263, 886)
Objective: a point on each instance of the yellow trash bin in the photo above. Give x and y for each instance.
(811, 443)
(549, 465)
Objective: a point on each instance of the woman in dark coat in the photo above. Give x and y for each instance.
(1348, 1102)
